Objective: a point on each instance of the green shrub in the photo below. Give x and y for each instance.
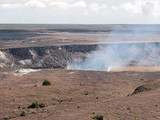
(36, 105)
(46, 83)
(33, 105)
(23, 113)
(42, 105)
(128, 108)
(86, 93)
(98, 117)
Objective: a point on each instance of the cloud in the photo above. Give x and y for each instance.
(90, 7)
(114, 8)
(79, 4)
(11, 6)
(143, 7)
(80, 11)
(31, 3)
(66, 5)
(152, 7)
(35, 3)
(61, 5)
(134, 8)
(96, 7)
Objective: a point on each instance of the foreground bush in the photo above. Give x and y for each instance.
(36, 105)
(46, 83)
(23, 113)
(98, 117)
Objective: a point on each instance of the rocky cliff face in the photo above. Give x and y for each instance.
(6, 60)
(124, 54)
(43, 57)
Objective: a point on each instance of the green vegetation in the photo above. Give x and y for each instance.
(98, 117)
(41, 105)
(142, 79)
(46, 83)
(128, 108)
(86, 92)
(23, 113)
(36, 105)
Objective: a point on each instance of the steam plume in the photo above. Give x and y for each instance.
(112, 56)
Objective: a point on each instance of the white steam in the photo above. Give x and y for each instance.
(115, 56)
(109, 68)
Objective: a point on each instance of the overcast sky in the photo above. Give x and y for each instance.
(80, 11)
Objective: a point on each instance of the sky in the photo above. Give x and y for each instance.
(80, 11)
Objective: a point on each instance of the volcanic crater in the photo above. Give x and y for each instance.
(75, 60)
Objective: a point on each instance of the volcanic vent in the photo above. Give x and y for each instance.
(115, 57)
